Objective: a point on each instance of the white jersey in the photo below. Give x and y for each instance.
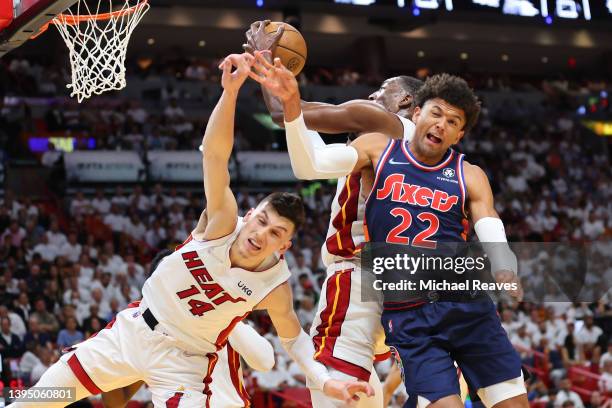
(197, 296)
(345, 234)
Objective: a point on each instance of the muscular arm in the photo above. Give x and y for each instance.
(217, 145)
(357, 116)
(479, 191)
(489, 227)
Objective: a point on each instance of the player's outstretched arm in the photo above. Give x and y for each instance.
(310, 157)
(358, 116)
(256, 351)
(490, 228)
(279, 304)
(217, 145)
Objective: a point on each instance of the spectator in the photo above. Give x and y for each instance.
(100, 203)
(71, 250)
(17, 325)
(605, 381)
(15, 233)
(47, 322)
(10, 345)
(29, 360)
(566, 394)
(56, 237)
(46, 358)
(47, 251)
(22, 306)
(588, 336)
(70, 335)
(34, 336)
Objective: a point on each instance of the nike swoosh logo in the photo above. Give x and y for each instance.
(392, 161)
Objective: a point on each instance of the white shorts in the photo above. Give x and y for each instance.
(346, 332)
(128, 351)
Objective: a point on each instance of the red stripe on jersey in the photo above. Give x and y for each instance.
(341, 243)
(222, 338)
(462, 187)
(234, 367)
(331, 292)
(82, 376)
(338, 295)
(379, 167)
(212, 361)
(173, 402)
(189, 238)
(422, 166)
(382, 356)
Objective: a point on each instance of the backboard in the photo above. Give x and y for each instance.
(20, 19)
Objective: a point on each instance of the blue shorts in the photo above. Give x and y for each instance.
(426, 339)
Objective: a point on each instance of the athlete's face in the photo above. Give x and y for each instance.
(439, 125)
(389, 95)
(264, 233)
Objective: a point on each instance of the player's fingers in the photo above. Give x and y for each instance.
(279, 33)
(278, 63)
(259, 55)
(259, 69)
(256, 78)
(227, 68)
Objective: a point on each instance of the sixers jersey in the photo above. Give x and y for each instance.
(345, 232)
(415, 204)
(198, 297)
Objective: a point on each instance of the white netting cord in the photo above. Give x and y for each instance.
(98, 48)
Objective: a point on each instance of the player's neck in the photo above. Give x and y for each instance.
(429, 161)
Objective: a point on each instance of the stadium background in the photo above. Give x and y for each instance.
(90, 192)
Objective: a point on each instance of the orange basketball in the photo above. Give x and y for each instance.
(291, 48)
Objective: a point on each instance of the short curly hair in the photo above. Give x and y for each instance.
(453, 90)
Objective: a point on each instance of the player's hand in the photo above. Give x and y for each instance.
(232, 81)
(510, 277)
(274, 77)
(259, 40)
(346, 391)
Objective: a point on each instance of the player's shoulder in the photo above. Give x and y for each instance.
(475, 176)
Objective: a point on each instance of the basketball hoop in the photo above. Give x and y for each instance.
(97, 43)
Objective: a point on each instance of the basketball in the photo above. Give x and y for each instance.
(291, 48)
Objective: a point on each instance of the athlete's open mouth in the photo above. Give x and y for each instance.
(433, 139)
(253, 244)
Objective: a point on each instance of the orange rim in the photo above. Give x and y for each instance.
(74, 20)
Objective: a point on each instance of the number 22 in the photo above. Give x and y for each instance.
(421, 239)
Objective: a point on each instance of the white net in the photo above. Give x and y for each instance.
(98, 43)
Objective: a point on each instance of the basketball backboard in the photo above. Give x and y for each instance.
(21, 19)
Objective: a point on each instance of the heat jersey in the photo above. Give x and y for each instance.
(415, 204)
(198, 297)
(345, 234)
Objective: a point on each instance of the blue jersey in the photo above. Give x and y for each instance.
(415, 204)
